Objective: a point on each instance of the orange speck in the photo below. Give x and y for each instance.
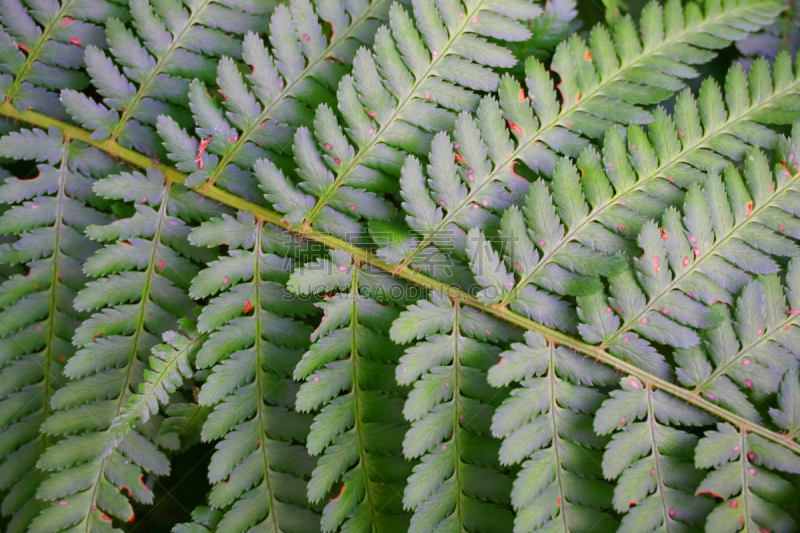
(588, 56)
(340, 493)
(223, 94)
(516, 129)
(500, 362)
(76, 41)
(749, 208)
(371, 114)
(24, 47)
(126, 244)
(522, 95)
(664, 234)
(513, 164)
(632, 503)
(248, 306)
(714, 494)
(66, 21)
(133, 515)
(460, 158)
(558, 500)
(105, 517)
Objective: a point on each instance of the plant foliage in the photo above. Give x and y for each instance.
(477, 266)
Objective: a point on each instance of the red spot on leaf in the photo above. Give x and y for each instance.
(516, 129)
(76, 41)
(248, 306)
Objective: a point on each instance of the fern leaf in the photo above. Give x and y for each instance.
(170, 45)
(602, 84)
(651, 459)
(140, 295)
(169, 366)
(41, 49)
(48, 214)
(727, 229)
(261, 110)
(360, 425)
(258, 471)
(582, 216)
(413, 83)
(744, 477)
(749, 351)
(547, 424)
(459, 484)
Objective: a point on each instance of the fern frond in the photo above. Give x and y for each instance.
(651, 460)
(746, 477)
(360, 425)
(262, 110)
(459, 483)
(171, 44)
(413, 83)
(140, 295)
(751, 350)
(258, 470)
(48, 215)
(41, 49)
(547, 424)
(728, 231)
(169, 367)
(582, 216)
(602, 84)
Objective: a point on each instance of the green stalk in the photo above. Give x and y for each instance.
(363, 256)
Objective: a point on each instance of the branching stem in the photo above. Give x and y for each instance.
(363, 256)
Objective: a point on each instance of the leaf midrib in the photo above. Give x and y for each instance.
(140, 323)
